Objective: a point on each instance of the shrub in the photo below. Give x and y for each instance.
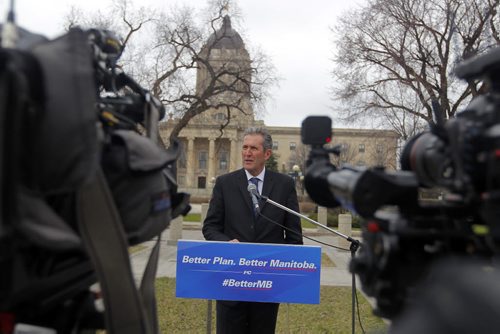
(308, 207)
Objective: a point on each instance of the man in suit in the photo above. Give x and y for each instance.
(231, 217)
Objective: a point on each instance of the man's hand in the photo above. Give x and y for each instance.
(234, 240)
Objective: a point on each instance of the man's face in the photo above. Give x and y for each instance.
(253, 154)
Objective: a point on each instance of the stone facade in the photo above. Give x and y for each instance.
(209, 151)
(360, 147)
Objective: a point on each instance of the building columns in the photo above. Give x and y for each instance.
(233, 155)
(190, 164)
(211, 160)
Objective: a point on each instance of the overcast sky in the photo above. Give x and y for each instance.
(295, 34)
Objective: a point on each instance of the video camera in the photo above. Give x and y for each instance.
(83, 177)
(403, 235)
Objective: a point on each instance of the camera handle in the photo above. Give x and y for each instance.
(353, 248)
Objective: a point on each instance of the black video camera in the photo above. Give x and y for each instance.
(83, 177)
(403, 235)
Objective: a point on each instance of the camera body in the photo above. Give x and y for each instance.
(73, 125)
(403, 235)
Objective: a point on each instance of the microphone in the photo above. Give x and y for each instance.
(252, 189)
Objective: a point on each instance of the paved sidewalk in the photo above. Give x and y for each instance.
(337, 276)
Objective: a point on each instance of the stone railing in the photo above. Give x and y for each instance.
(345, 225)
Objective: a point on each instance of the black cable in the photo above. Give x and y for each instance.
(359, 315)
(301, 234)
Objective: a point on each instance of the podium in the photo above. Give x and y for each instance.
(248, 271)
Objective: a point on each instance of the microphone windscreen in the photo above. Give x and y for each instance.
(252, 187)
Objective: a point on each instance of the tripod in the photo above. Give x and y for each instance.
(353, 247)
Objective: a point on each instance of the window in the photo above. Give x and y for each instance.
(223, 157)
(361, 148)
(202, 160)
(181, 180)
(202, 182)
(275, 145)
(220, 116)
(293, 146)
(380, 148)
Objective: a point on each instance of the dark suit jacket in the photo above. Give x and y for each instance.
(230, 213)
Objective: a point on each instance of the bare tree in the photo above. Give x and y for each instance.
(381, 152)
(228, 85)
(395, 57)
(167, 50)
(347, 155)
(122, 18)
(299, 157)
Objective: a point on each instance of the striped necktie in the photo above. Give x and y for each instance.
(255, 181)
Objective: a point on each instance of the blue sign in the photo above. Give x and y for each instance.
(248, 272)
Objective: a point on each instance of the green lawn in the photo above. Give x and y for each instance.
(332, 315)
(307, 224)
(136, 248)
(192, 217)
(326, 261)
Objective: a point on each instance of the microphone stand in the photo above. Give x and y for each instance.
(353, 247)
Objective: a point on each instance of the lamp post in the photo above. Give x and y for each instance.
(297, 176)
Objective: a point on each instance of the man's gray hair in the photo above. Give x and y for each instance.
(268, 140)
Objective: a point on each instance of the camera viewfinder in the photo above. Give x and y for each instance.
(316, 130)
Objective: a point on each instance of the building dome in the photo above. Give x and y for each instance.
(226, 37)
